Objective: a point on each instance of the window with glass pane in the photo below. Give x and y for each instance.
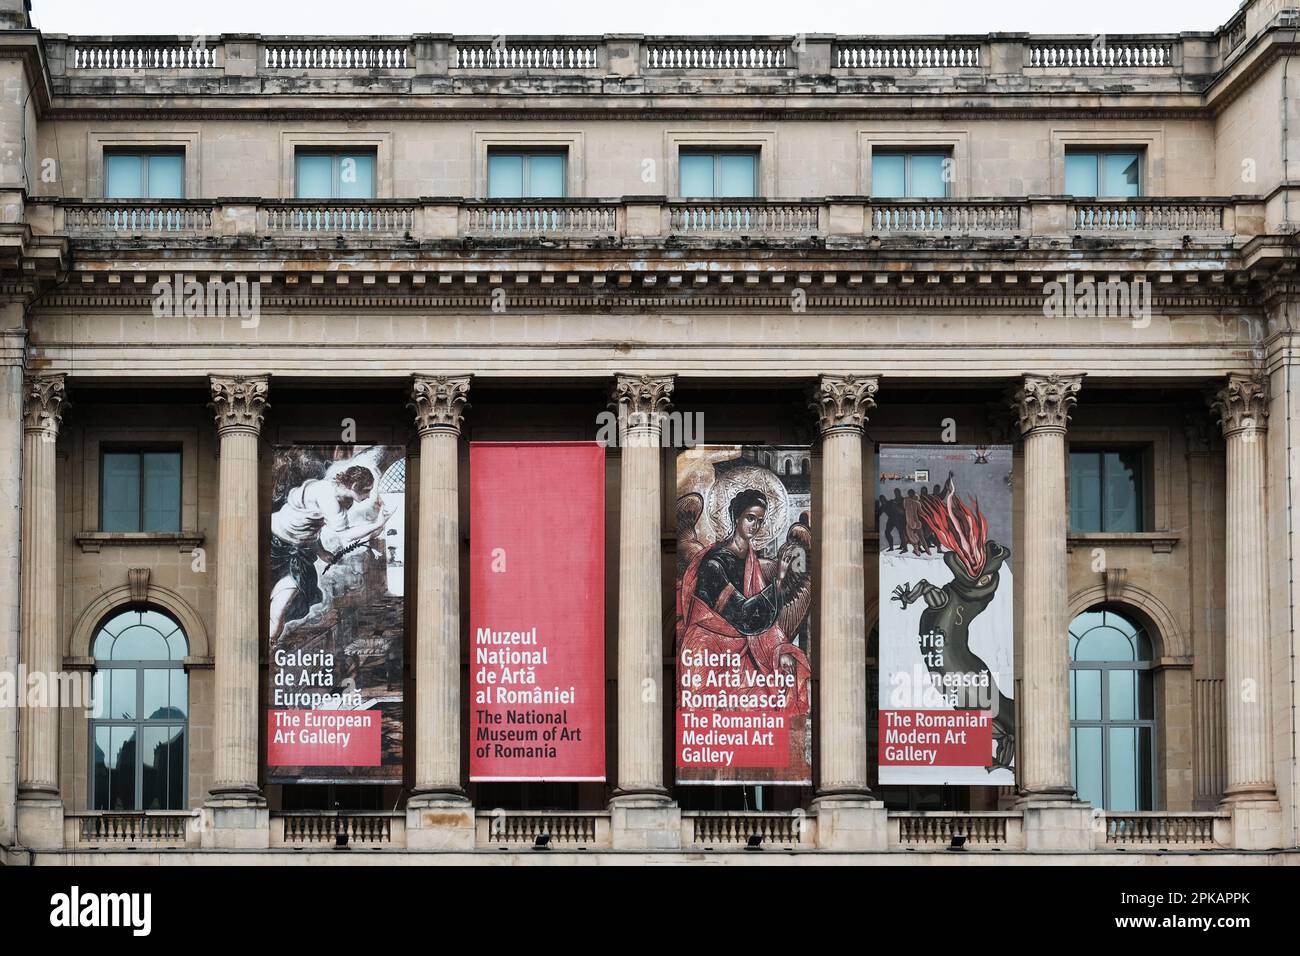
(140, 490)
(144, 175)
(718, 174)
(900, 174)
(140, 713)
(1112, 711)
(1103, 173)
(526, 174)
(334, 174)
(1106, 490)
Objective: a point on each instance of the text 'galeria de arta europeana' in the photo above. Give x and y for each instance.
(646, 447)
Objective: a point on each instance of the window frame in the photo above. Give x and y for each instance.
(1142, 486)
(526, 153)
(337, 154)
(139, 723)
(145, 153)
(908, 153)
(1099, 153)
(140, 449)
(717, 152)
(1105, 722)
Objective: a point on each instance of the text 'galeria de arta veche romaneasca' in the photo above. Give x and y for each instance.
(648, 447)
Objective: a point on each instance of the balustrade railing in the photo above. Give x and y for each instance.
(328, 218)
(507, 219)
(506, 828)
(157, 217)
(1165, 829)
(343, 55)
(710, 54)
(934, 829)
(306, 829)
(940, 216)
(736, 828)
(127, 54)
(1147, 215)
(744, 218)
(1101, 51)
(526, 56)
(881, 54)
(131, 829)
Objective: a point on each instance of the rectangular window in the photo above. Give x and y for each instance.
(334, 174)
(1106, 490)
(718, 174)
(1104, 173)
(526, 174)
(899, 174)
(140, 490)
(151, 174)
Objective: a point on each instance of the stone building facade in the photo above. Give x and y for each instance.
(832, 298)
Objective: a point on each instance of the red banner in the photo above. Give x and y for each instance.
(537, 611)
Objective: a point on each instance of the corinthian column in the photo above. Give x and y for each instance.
(841, 406)
(1241, 406)
(439, 816)
(238, 405)
(40, 809)
(643, 815)
(1043, 405)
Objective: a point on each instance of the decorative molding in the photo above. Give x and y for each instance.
(44, 401)
(239, 403)
(1160, 542)
(842, 402)
(1242, 404)
(78, 644)
(439, 401)
(1115, 580)
(1043, 402)
(1168, 637)
(137, 580)
(641, 399)
(92, 542)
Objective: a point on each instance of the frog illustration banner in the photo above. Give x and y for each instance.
(947, 714)
(744, 592)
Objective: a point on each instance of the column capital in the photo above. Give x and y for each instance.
(1241, 404)
(439, 401)
(1043, 402)
(841, 402)
(644, 396)
(239, 402)
(44, 398)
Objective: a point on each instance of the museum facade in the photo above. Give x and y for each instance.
(656, 312)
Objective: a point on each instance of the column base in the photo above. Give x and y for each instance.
(1256, 821)
(235, 820)
(39, 821)
(440, 820)
(644, 820)
(851, 822)
(1064, 824)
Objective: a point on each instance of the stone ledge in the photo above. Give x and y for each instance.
(92, 542)
(1160, 542)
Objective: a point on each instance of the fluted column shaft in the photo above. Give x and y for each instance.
(641, 400)
(239, 405)
(1243, 414)
(38, 763)
(841, 404)
(439, 403)
(1043, 404)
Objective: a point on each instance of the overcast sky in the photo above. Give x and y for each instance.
(514, 17)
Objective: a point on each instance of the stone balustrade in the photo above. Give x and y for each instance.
(731, 829)
(936, 829)
(162, 829)
(515, 828)
(314, 829)
(1161, 828)
(632, 217)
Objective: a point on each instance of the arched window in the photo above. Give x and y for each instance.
(140, 716)
(1112, 711)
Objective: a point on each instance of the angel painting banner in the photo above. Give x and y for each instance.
(336, 620)
(537, 611)
(744, 680)
(946, 661)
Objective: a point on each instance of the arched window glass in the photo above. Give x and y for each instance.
(140, 717)
(1112, 711)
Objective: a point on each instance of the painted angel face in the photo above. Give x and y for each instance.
(750, 522)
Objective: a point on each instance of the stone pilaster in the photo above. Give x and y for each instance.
(40, 807)
(1054, 819)
(237, 815)
(439, 815)
(1242, 409)
(13, 342)
(847, 816)
(643, 815)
